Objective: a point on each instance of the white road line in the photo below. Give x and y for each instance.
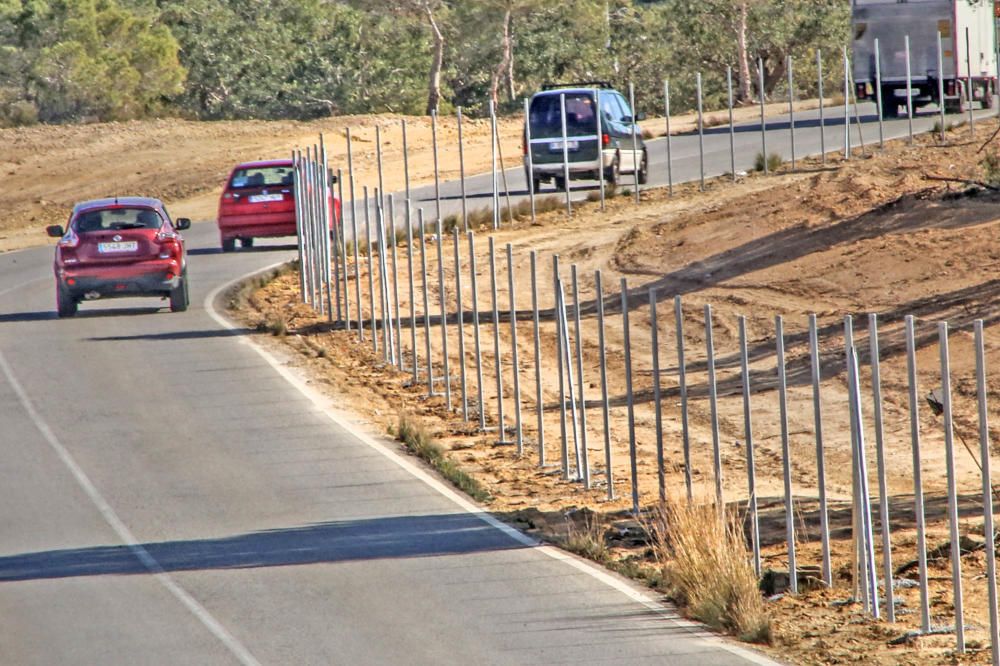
(326, 406)
(214, 626)
(4, 292)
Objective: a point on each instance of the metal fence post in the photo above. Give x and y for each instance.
(968, 87)
(605, 404)
(427, 306)
(732, 126)
(371, 272)
(657, 407)
(630, 398)
(918, 488)
(529, 172)
(461, 328)
(354, 233)
(443, 302)
(539, 404)
(600, 152)
(791, 108)
(395, 282)
(909, 90)
(406, 164)
(666, 114)
(413, 297)
(751, 458)
(701, 133)
(564, 452)
(949, 445)
(583, 461)
(513, 346)
(883, 485)
(763, 124)
(635, 140)
(847, 107)
(984, 454)
(473, 282)
(714, 407)
(461, 174)
(786, 455)
(568, 360)
(565, 152)
(879, 102)
(342, 235)
(824, 518)
(498, 356)
(822, 120)
(682, 383)
(437, 176)
(493, 157)
(941, 104)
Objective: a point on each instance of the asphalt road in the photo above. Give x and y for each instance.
(173, 495)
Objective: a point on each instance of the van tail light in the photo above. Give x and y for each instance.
(524, 145)
(605, 139)
(69, 239)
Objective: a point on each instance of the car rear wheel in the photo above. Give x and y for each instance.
(560, 183)
(644, 169)
(179, 295)
(66, 305)
(613, 174)
(228, 244)
(246, 241)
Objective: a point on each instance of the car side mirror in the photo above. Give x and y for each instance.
(333, 179)
(182, 223)
(55, 231)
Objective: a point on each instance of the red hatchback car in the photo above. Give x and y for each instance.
(125, 246)
(258, 201)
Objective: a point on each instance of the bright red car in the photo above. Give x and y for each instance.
(258, 201)
(125, 246)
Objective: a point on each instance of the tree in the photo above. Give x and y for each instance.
(433, 12)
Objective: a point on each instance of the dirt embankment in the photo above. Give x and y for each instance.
(872, 235)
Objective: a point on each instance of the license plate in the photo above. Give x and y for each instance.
(557, 146)
(258, 198)
(121, 246)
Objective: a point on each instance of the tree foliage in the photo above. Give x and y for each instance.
(64, 60)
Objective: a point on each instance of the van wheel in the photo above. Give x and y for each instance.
(613, 174)
(179, 299)
(560, 183)
(536, 185)
(246, 241)
(644, 169)
(228, 244)
(66, 305)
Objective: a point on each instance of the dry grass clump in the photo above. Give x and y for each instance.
(707, 568)
(420, 443)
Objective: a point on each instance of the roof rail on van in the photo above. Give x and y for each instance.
(577, 84)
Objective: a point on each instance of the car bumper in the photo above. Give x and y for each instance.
(257, 226)
(150, 278)
(549, 169)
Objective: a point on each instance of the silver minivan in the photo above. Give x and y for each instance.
(612, 128)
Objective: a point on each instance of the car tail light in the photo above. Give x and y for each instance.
(69, 239)
(168, 243)
(524, 145)
(605, 139)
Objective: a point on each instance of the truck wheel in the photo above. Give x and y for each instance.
(228, 244)
(644, 169)
(246, 241)
(890, 107)
(987, 95)
(560, 183)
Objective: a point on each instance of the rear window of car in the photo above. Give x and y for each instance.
(546, 116)
(272, 176)
(110, 219)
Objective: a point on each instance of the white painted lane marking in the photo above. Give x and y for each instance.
(4, 292)
(342, 419)
(111, 518)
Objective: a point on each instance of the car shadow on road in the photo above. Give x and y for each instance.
(201, 251)
(43, 315)
(338, 541)
(175, 335)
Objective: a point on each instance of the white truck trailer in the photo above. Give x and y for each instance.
(968, 51)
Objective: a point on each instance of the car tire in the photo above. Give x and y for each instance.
(613, 173)
(246, 241)
(66, 305)
(644, 169)
(560, 183)
(179, 298)
(228, 244)
(536, 185)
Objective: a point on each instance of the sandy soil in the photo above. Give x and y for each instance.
(872, 235)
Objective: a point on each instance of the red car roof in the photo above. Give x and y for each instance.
(265, 163)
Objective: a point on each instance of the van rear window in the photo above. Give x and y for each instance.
(546, 116)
